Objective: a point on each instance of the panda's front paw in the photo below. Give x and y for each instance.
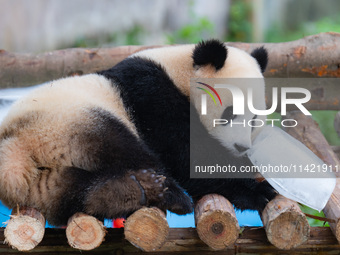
(254, 196)
(176, 200)
(151, 184)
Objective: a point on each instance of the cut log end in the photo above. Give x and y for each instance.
(85, 232)
(286, 226)
(147, 229)
(25, 229)
(216, 221)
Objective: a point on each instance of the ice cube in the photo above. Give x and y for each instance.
(291, 168)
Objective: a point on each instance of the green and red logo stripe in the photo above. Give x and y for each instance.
(209, 93)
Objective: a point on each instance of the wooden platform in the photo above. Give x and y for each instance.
(184, 241)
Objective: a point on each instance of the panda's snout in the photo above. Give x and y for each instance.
(241, 148)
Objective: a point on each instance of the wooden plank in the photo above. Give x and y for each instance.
(184, 241)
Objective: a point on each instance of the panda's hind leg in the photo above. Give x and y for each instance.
(112, 197)
(127, 175)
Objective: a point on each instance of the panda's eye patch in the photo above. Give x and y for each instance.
(228, 114)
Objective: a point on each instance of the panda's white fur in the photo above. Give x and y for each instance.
(112, 142)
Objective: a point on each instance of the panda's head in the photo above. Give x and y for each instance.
(212, 59)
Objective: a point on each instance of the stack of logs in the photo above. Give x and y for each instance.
(285, 225)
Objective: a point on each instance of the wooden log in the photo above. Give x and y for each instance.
(337, 123)
(84, 232)
(324, 93)
(25, 229)
(312, 56)
(147, 229)
(285, 224)
(216, 221)
(308, 132)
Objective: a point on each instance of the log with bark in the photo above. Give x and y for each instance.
(285, 224)
(147, 229)
(312, 56)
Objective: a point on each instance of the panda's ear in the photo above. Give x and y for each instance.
(261, 55)
(210, 52)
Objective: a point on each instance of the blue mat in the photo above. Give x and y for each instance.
(245, 218)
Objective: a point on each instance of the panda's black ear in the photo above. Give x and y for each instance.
(261, 55)
(210, 52)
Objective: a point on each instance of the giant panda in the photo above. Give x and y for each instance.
(111, 142)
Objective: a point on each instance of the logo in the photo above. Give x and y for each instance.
(239, 99)
(204, 97)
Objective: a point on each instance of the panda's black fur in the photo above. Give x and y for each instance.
(261, 55)
(210, 52)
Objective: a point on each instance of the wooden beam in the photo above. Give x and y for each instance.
(184, 241)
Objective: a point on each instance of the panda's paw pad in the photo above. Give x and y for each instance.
(152, 183)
